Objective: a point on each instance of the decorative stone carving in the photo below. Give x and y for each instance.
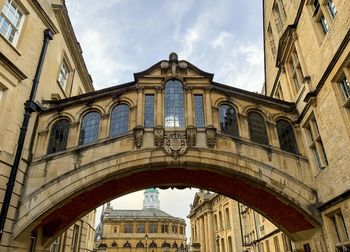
(173, 64)
(191, 136)
(211, 136)
(138, 136)
(175, 144)
(158, 136)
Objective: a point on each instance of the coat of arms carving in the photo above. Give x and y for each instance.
(175, 144)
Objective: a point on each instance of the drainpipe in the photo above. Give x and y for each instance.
(29, 107)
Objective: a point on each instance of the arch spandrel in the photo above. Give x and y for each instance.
(261, 176)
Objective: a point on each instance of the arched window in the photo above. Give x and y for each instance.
(153, 244)
(127, 245)
(227, 217)
(286, 136)
(119, 120)
(257, 128)
(174, 104)
(216, 222)
(228, 120)
(220, 220)
(58, 136)
(140, 245)
(89, 128)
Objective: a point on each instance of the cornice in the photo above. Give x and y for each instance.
(43, 16)
(66, 27)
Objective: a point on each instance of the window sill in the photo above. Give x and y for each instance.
(13, 47)
(347, 103)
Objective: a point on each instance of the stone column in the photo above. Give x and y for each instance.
(206, 232)
(74, 135)
(189, 107)
(139, 115)
(104, 126)
(201, 233)
(159, 110)
(208, 111)
(211, 237)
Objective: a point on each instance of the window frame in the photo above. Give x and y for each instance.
(171, 122)
(289, 148)
(18, 28)
(114, 131)
(315, 144)
(266, 140)
(199, 111)
(81, 142)
(235, 124)
(149, 109)
(65, 141)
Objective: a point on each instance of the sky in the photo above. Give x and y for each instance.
(122, 37)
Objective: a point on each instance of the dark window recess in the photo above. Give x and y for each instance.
(199, 113)
(228, 120)
(286, 136)
(127, 245)
(257, 128)
(58, 136)
(119, 121)
(89, 128)
(140, 245)
(149, 111)
(174, 104)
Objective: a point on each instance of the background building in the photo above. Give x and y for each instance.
(26, 28)
(149, 229)
(307, 62)
(221, 224)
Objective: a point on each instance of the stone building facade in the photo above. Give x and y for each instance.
(221, 224)
(307, 55)
(149, 229)
(25, 27)
(283, 153)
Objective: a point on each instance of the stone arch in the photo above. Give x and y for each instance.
(93, 183)
(84, 110)
(123, 100)
(55, 117)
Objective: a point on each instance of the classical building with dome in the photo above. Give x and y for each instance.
(149, 229)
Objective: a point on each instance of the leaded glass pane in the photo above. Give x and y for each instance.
(228, 120)
(199, 113)
(149, 111)
(119, 120)
(58, 136)
(89, 128)
(286, 136)
(257, 128)
(174, 108)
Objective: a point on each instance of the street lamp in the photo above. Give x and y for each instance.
(146, 238)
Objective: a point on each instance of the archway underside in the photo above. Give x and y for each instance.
(283, 213)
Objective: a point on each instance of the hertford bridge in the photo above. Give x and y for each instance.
(170, 127)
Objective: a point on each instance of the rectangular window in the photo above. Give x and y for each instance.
(128, 228)
(63, 76)
(153, 228)
(165, 229)
(199, 113)
(316, 144)
(339, 231)
(296, 73)
(11, 19)
(345, 87)
(149, 111)
(140, 228)
(74, 245)
(174, 229)
(324, 24)
(332, 8)
(182, 230)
